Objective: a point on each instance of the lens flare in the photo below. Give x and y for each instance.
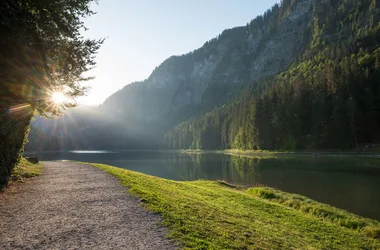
(58, 97)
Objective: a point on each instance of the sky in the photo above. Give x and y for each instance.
(141, 34)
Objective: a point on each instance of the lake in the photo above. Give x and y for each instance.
(349, 183)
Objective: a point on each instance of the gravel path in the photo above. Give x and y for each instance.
(74, 206)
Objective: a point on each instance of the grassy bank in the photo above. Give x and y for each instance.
(272, 153)
(25, 170)
(216, 215)
(22, 172)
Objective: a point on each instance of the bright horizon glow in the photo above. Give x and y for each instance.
(141, 34)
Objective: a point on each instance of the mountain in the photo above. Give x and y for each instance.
(221, 77)
(328, 98)
(234, 59)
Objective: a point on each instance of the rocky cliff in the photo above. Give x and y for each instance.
(238, 56)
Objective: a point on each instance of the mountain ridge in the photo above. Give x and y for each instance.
(236, 57)
(240, 60)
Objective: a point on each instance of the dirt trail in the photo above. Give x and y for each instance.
(74, 206)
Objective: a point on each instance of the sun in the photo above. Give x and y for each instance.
(58, 97)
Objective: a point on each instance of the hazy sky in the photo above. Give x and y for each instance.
(140, 34)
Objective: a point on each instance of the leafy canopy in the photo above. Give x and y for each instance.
(42, 52)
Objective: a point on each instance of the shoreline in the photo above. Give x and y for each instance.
(266, 153)
(235, 152)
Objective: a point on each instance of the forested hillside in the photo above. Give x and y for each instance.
(328, 98)
(304, 75)
(188, 85)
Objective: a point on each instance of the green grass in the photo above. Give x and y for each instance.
(217, 215)
(328, 213)
(25, 170)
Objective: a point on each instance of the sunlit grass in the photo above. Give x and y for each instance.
(216, 215)
(25, 170)
(322, 211)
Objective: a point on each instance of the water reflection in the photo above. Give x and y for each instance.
(91, 152)
(349, 183)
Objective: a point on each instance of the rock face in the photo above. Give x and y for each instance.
(239, 56)
(186, 85)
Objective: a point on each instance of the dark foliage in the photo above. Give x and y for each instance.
(41, 52)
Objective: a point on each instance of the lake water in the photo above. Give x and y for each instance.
(349, 183)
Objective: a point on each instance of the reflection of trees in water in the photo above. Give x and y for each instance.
(245, 169)
(254, 171)
(287, 173)
(186, 166)
(214, 167)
